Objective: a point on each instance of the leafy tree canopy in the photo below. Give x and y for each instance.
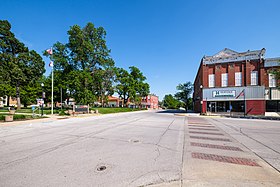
(170, 102)
(131, 85)
(83, 66)
(184, 93)
(19, 65)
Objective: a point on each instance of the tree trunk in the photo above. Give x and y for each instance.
(8, 101)
(18, 97)
(125, 101)
(186, 107)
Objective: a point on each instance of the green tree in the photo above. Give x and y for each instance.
(20, 65)
(184, 94)
(123, 84)
(83, 66)
(103, 83)
(30, 93)
(170, 102)
(131, 85)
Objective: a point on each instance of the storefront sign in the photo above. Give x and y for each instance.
(224, 93)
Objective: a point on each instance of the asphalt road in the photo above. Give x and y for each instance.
(136, 149)
(131, 149)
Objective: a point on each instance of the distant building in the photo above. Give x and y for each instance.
(3, 101)
(232, 81)
(150, 101)
(114, 102)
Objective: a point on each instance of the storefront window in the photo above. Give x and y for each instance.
(273, 106)
(237, 106)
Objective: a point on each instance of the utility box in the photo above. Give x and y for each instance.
(9, 118)
(12, 112)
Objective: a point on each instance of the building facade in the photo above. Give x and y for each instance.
(230, 81)
(114, 102)
(150, 101)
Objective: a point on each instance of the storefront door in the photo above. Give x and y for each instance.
(212, 107)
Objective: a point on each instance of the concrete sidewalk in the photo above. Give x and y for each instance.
(48, 118)
(212, 157)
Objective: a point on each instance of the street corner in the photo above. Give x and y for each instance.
(214, 158)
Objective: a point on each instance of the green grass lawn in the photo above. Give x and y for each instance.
(29, 111)
(17, 117)
(115, 110)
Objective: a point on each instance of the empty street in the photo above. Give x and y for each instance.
(148, 148)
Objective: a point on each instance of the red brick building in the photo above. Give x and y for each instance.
(231, 81)
(150, 101)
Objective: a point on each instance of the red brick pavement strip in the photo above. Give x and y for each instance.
(202, 126)
(230, 148)
(212, 133)
(203, 129)
(208, 138)
(199, 123)
(227, 159)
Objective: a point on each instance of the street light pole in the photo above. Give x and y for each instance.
(201, 102)
(43, 96)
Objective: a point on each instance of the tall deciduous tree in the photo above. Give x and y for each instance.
(170, 102)
(184, 93)
(131, 85)
(21, 66)
(83, 66)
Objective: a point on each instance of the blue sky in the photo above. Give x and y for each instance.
(166, 39)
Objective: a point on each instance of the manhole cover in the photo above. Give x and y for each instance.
(134, 141)
(101, 168)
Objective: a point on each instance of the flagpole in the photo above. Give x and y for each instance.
(52, 80)
(50, 52)
(52, 90)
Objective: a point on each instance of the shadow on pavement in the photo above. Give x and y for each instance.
(172, 111)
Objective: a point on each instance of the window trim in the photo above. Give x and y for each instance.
(271, 80)
(238, 79)
(254, 79)
(211, 77)
(224, 80)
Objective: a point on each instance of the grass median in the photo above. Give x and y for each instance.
(18, 117)
(115, 110)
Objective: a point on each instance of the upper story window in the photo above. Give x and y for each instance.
(224, 80)
(211, 78)
(271, 80)
(254, 78)
(238, 78)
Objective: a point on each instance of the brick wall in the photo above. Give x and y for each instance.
(255, 107)
(245, 67)
(199, 80)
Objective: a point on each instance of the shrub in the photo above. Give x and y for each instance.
(62, 113)
(19, 116)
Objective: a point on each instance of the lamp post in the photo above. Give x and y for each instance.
(201, 102)
(43, 96)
